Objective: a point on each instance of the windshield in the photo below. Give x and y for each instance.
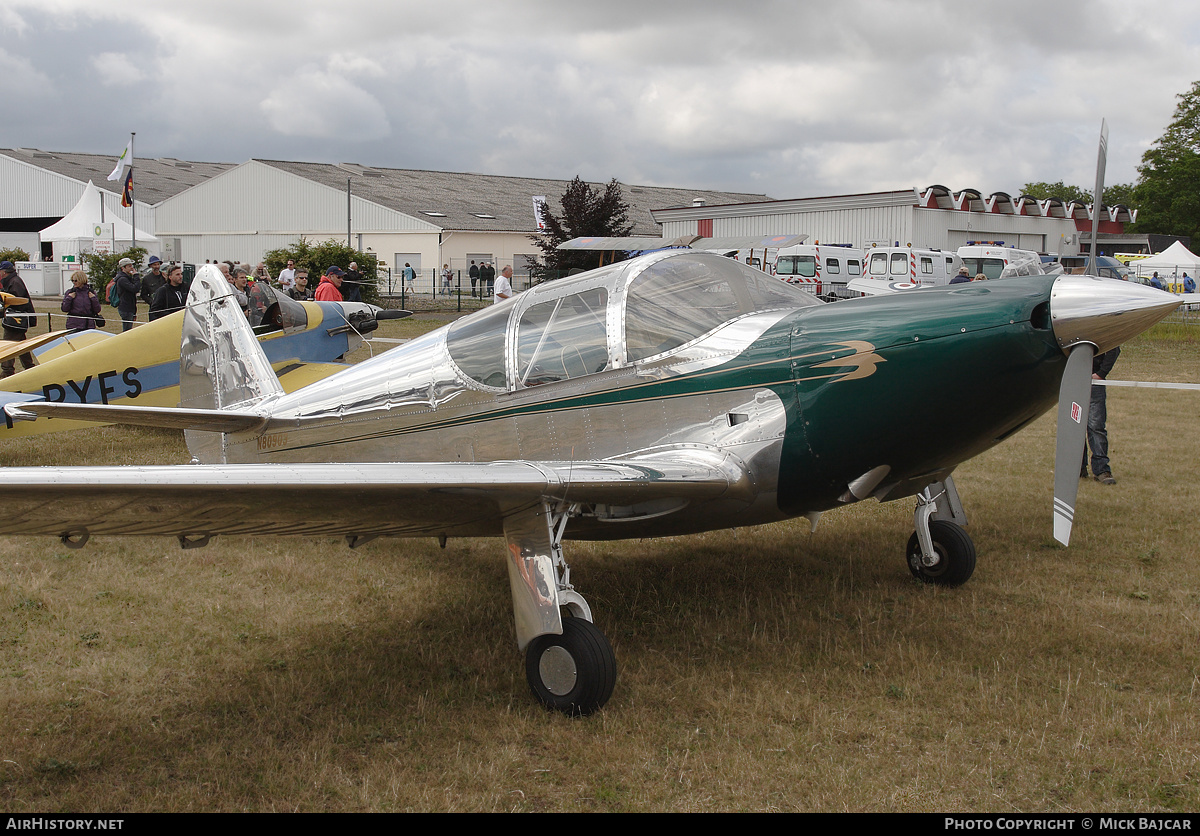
(990, 267)
(796, 265)
(271, 310)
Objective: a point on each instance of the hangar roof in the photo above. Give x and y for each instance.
(450, 200)
(486, 202)
(154, 181)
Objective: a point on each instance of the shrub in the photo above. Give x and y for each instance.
(317, 258)
(101, 267)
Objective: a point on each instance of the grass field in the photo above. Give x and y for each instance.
(760, 669)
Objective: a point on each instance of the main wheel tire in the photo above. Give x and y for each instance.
(573, 673)
(954, 549)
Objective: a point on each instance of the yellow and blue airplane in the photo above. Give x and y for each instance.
(302, 340)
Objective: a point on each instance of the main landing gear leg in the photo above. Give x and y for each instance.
(569, 663)
(940, 551)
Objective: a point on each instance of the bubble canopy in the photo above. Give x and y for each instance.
(617, 315)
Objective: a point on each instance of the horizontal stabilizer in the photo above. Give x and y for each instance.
(172, 418)
(12, 350)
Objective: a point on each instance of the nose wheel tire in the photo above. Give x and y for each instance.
(574, 672)
(955, 554)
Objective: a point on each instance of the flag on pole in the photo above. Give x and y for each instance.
(127, 192)
(125, 159)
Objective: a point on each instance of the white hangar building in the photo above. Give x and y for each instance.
(41, 187)
(202, 210)
(228, 211)
(933, 217)
(425, 218)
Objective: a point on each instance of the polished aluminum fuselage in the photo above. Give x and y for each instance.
(413, 404)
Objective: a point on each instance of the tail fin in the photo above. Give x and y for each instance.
(221, 364)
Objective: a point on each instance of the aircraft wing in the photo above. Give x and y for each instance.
(625, 243)
(875, 286)
(361, 500)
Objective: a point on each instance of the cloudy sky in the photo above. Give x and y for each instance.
(791, 99)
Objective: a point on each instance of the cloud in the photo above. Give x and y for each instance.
(20, 80)
(325, 105)
(355, 65)
(12, 22)
(116, 69)
(788, 97)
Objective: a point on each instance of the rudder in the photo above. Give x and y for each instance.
(221, 364)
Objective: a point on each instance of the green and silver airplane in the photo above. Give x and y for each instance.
(677, 392)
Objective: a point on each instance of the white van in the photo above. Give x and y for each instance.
(823, 269)
(905, 268)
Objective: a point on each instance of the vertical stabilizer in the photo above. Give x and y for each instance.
(221, 364)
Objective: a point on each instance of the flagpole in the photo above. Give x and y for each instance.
(132, 199)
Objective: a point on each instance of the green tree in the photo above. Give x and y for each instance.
(1120, 193)
(1168, 188)
(1114, 194)
(100, 268)
(14, 254)
(584, 212)
(317, 258)
(1044, 191)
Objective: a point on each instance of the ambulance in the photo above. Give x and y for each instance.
(889, 269)
(822, 269)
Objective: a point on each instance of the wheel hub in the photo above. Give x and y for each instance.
(557, 670)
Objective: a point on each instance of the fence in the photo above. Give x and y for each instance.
(1186, 314)
(428, 289)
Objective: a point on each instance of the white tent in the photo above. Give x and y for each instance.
(1175, 259)
(74, 233)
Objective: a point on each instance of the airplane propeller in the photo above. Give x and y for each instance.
(1074, 397)
(1090, 315)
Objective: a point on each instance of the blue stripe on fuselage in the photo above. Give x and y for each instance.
(313, 345)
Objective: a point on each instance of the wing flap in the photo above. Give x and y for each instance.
(402, 499)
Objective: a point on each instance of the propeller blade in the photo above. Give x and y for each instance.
(1089, 315)
(1074, 398)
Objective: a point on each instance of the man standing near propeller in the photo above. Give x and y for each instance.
(1097, 429)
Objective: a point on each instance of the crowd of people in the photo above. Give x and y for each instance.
(1165, 282)
(166, 292)
(163, 288)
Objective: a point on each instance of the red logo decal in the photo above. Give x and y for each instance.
(1075, 412)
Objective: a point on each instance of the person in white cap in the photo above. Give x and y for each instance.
(129, 286)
